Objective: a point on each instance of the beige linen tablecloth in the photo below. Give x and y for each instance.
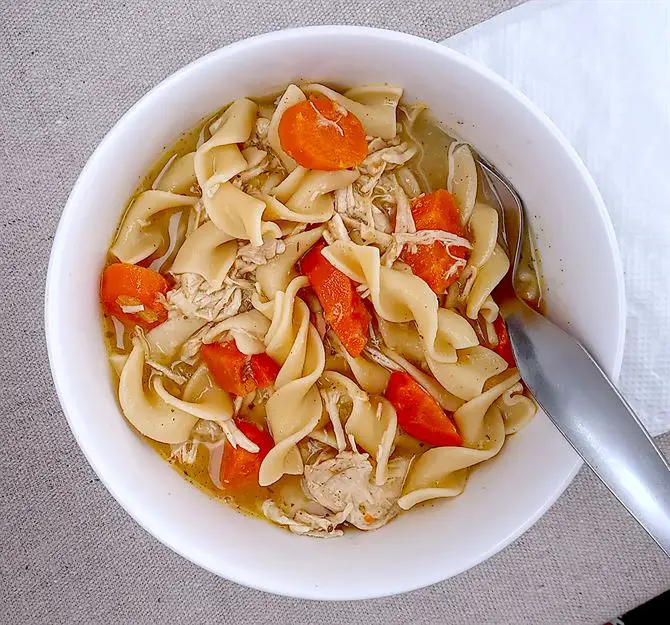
(68, 552)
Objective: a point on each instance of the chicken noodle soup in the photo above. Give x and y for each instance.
(300, 313)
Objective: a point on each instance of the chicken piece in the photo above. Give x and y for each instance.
(258, 135)
(345, 201)
(291, 507)
(331, 398)
(343, 484)
(358, 212)
(304, 523)
(188, 352)
(207, 431)
(425, 237)
(381, 220)
(204, 433)
(261, 254)
(382, 359)
(351, 206)
(185, 452)
(336, 230)
(404, 222)
(196, 297)
(261, 128)
(168, 372)
(258, 162)
(381, 157)
(373, 236)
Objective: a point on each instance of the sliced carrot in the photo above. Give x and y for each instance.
(418, 413)
(432, 262)
(125, 286)
(240, 467)
(437, 211)
(320, 134)
(236, 372)
(229, 367)
(343, 307)
(504, 347)
(264, 370)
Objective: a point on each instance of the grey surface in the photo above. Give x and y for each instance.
(68, 552)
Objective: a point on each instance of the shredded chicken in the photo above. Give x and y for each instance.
(241, 268)
(261, 254)
(258, 162)
(340, 109)
(459, 291)
(358, 212)
(168, 372)
(263, 394)
(336, 231)
(236, 437)
(381, 359)
(261, 128)
(195, 297)
(404, 222)
(209, 431)
(425, 237)
(370, 218)
(372, 236)
(345, 201)
(374, 340)
(189, 350)
(382, 155)
(304, 523)
(381, 221)
(322, 120)
(331, 397)
(129, 310)
(259, 134)
(344, 484)
(185, 452)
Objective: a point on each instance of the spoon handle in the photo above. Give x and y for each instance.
(593, 416)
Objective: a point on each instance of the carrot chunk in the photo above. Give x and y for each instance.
(432, 262)
(132, 294)
(240, 467)
(236, 372)
(504, 347)
(437, 211)
(320, 134)
(343, 307)
(418, 413)
(264, 370)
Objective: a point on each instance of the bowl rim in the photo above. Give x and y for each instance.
(68, 214)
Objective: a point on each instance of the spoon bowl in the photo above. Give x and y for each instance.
(576, 394)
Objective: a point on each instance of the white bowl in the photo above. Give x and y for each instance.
(503, 498)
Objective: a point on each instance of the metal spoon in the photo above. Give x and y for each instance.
(577, 395)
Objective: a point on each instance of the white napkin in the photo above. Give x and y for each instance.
(601, 71)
